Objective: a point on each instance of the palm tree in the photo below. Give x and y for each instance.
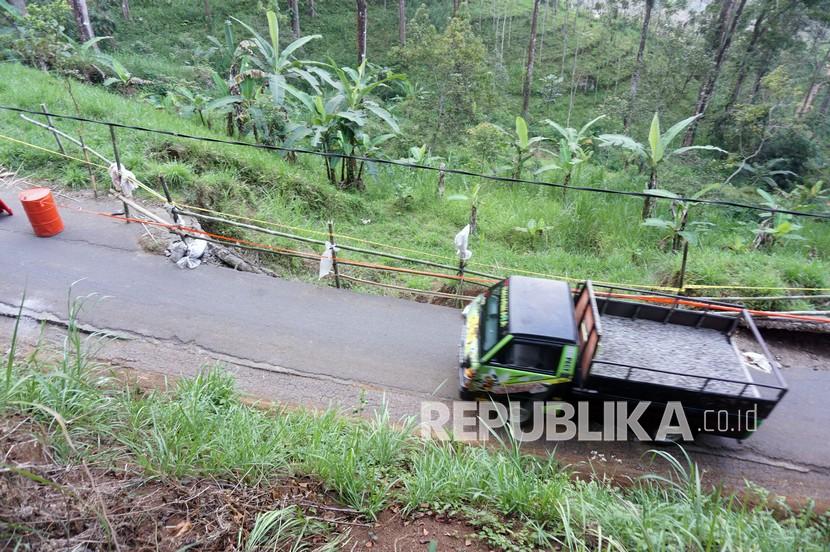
(572, 150)
(657, 153)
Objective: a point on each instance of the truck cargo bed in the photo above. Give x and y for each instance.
(674, 350)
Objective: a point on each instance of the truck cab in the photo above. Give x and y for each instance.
(520, 339)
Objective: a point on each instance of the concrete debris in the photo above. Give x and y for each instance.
(757, 361)
(187, 253)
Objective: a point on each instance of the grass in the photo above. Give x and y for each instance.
(199, 427)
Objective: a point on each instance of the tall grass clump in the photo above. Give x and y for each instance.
(199, 426)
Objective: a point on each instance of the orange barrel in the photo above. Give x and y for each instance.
(42, 212)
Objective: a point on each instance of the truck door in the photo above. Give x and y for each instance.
(589, 329)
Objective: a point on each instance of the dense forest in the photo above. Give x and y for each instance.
(691, 99)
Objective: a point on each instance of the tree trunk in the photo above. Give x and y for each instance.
(573, 71)
(648, 203)
(125, 9)
(402, 22)
(825, 103)
(758, 31)
(312, 8)
(816, 84)
(295, 18)
(531, 57)
(542, 29)
(361, 31)
(20, 5)
(208, 13)
(809, 98)
(81, 13)
(756, 87)
(727, 31)
(635, 78)
(455, 5)
(564, 43)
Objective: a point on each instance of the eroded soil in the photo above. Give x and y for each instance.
(47, 505)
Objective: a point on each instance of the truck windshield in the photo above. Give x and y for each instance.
(536, 357)
(490, 319)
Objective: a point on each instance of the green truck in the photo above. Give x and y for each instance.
(532, 339)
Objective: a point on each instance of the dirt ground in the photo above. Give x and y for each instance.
(48, 506)
(804, 350)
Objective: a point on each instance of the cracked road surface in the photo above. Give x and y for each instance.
(335, 333)
(305, 344)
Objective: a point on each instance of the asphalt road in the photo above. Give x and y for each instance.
(339, 336)
(337, 333)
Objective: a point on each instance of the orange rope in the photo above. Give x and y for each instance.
(483, 281)
(340, 260)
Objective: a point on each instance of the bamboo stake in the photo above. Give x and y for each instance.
(118, 168)
(334, 256)
(89, 167)
(49, 120)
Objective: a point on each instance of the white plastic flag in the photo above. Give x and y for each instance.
(124, 181)
(462, 240)
(326, 263)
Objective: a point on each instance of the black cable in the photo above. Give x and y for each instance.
(461, 172)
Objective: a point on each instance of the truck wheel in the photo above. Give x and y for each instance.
(466, 394)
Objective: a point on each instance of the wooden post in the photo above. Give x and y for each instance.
(334, 256)
(461, 264)
(55, 134)
(173, 211)
(441, 176)
(119, 168)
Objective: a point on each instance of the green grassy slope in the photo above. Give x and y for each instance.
(200, 427)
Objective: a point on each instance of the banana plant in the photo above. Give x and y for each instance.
(805, 196)
(525, 146)
(572, 149)
(534, 229)
(338, 122)
(225, 48)
(113, 71)
(774, 225)
(420, 155)
(679, 228)
(264, 61)
(188, 102)
(656, 154)
(766, 172)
